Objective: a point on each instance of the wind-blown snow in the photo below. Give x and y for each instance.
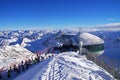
(66, 66)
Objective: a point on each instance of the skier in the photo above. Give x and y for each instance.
(19, 66)
(34, 61)
(37, 59)
(26, 64)
(8, 74)
(29, 62)
(22, 65)
(38, 56)
(0, 76)
(42, 58)
(16, 69)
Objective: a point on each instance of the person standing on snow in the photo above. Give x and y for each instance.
(0, 76)
(8, 74)
(22, 65)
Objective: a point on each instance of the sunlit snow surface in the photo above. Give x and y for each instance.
(27, 41)
(66, 66)
(10, 55)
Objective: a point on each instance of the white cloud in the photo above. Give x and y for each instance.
(109, 24)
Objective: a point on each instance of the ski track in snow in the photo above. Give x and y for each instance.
(69, 66)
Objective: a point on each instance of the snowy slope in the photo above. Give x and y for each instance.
(16, 46)
(66, 66)
(10, 55)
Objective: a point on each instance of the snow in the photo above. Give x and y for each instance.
(111, 53)
(66, 66)
(24, 41)
(89, 39)
(16, 45)
(10, 55)
(31, 72)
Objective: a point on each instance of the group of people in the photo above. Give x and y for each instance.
(24, 65)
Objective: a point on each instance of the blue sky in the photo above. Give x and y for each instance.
(31, 14)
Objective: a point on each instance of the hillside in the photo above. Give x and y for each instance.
(66, 66)
(11, 55)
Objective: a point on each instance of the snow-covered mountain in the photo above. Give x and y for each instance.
(13, 55)
(17, 45)
(35, 40)
(66, 66)
(111, 53)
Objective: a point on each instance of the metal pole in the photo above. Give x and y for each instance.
(80, 42)
(80, 47)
